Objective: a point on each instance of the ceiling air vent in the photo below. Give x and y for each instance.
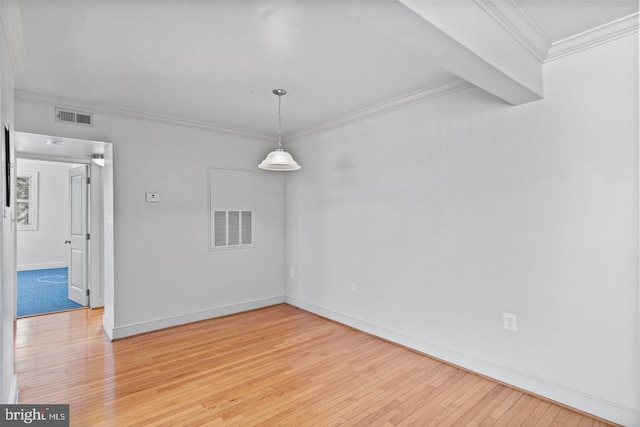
(71, 116)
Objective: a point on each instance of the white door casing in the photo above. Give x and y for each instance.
(78, 235)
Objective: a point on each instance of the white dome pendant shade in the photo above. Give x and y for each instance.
(279, 160)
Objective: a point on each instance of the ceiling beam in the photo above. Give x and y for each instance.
(461, 37)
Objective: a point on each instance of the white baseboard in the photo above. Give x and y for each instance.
(14, 393)
(107, 327)
(548, 389)
(41, 266)
(167, 322)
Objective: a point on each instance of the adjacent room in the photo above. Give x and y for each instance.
(382, 212)
(44, 209)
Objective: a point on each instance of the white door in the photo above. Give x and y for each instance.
(79, 235)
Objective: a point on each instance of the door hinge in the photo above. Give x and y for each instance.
(88, 180)
(88, 236)
(88, 292)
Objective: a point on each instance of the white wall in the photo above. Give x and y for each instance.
(45, 247)
(164, 273)
(8, 380)
(449, 213)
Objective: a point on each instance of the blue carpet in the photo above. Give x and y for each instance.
(43, 291)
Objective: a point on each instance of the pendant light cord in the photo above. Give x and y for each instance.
(279, 123)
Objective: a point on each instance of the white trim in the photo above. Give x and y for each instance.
(66, 103)
(167, 322)
(510, 17)
(594, 37)
(107, 327)
(14, 392)
(11, 24)
(450, 86)
(542, 387)
(42, 266)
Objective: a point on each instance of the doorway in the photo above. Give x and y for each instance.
(44, 204)
(65, 154)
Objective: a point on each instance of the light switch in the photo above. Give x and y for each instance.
(153, 197)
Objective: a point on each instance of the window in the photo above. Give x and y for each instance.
(231, 193)
(27, 200)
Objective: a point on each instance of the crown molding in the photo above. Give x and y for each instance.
(452, 85)
(55, 101)
(12, 29)
(510, 17)
(596, 36)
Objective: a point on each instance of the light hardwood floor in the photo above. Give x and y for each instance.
(274, 366)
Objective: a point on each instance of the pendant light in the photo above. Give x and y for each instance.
(279, 160)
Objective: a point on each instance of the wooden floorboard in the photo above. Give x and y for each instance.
(278, 366)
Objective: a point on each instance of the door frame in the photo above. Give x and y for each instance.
(100, 200)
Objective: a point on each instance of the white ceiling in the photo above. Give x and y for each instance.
(560, 19)
(216, 62)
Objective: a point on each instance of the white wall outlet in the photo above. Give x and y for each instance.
(510, 322)
(153, 197)
(354, 287)
(292, 273)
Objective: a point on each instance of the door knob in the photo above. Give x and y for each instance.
(67, 242)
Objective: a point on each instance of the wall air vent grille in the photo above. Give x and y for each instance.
(65, 115)
(85, 119)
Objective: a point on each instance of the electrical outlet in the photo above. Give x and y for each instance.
(510, 322)
(292, 273)
(354, 287)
